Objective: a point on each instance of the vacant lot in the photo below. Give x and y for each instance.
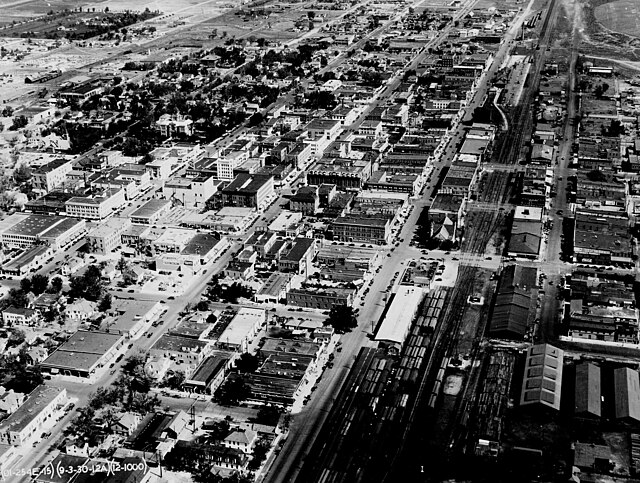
(621, 16)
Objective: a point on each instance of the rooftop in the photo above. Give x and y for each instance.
(150, 208)
(40, 397)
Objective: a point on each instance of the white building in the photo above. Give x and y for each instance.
(26, 423)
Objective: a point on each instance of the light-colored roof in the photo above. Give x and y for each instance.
(242, 437)
(398, 319)
(242, 325)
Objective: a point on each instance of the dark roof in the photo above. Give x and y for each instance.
(510, 314)
(588, 390)
(518, 276)
(300, 248)
(246, 184)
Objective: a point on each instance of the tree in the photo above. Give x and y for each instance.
(247, 363)
(269, 415)
(56, 284)
(202, 306)
(39, 283)
(88, 285)
(105, 303)
(17, 298)
(311, 14)
(233, 391)
(174, 379)
(18, 123)
(22, 174)
(342, 318)
(25, 285)
(256, 119)
(16, 338)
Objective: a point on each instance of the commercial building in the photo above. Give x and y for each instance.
(98, 206)
(134, 179)
(542, 381)
(320, 298)
(28, 260)
(131, 318)
(299, 257)
(191, 193)
(370, 230)
(511, 308)
(23, 230)
(52, 175)
(242, 328)
(251, 191)
(397, 321)
(84, 353)
(37, 410)
(627, 394)
(287, 224)
(396, 183)
(588, 393)
(151, 212)
(275, 288)
(306, 200)
(107, 236)
(345, 173)
(181, 350)
(209, 375)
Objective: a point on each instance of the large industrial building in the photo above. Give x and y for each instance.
(397, 321)
(542, 381)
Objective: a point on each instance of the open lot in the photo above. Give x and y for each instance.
(621, 16)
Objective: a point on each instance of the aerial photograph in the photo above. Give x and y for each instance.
(319, 241)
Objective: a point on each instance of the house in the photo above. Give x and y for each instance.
(126, 424)
(81, 309)
(10, 401)
(18, 316)
(241, 439)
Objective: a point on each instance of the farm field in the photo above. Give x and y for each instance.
(621, 16)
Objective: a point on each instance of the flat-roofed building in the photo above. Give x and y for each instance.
(27, 260)
(588, 393)
(108, 235)
(287, 224)
(397, 321)
(22, 230)
(151, 212)
(261, 242)
(396, 183)
(299, 258)
(209, 375)
(131, 318)
(274, 289)
(320, 298)
(242, 328)
(250, 191)
(98, 206)
(27, 421)
(134, 179)
(191, 192)
(345, 173)
(84, 353)
(351, 228)
(627, 394)
(348, 258)
(52, 175)
(542, 382)
(182, 350)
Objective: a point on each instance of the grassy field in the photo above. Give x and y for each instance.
(620, 16)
